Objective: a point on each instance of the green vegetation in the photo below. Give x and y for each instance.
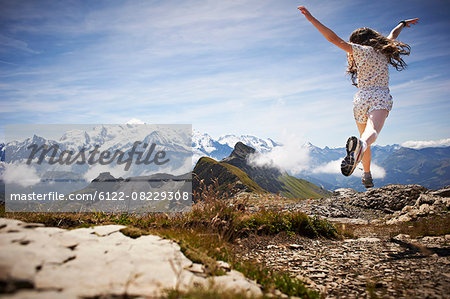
(271, 222)
(299, 188)
(204, 293)
(260, 180)
(225, 174)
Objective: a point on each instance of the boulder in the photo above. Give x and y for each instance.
(99, 261)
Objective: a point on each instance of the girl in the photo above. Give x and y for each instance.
(368, 55)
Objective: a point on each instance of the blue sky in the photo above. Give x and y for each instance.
(226, 67)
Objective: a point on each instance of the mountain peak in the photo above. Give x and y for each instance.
(241, 150)
(105, 177)
(37, 139)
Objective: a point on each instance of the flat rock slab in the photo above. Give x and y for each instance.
(48, 262)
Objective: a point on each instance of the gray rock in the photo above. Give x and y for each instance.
(295, 246)
(444, 192)
(89, 262)
(428, 203)
(223, 265)
(236, 281)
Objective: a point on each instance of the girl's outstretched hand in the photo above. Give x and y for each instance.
(305, 11)
(411, 22)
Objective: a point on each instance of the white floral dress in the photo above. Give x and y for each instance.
(373, 82)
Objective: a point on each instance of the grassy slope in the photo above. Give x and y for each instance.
(224, 177)
(299, 188)
(293, 187)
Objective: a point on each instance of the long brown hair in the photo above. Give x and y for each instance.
(390, 48)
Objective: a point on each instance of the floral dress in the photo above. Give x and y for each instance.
(373, 82)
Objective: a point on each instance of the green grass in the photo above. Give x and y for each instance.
(210, 248)
(226, 178)
(298, 188)
(204, 293)
(271, 222)
(270, 280)
(226, 174)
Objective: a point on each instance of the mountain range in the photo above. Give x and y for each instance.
(394, 164)
(429, 167)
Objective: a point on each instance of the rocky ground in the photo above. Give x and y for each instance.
(373, 263)
(49, 262)
(374, 260)
(365, 267)
(374, 206)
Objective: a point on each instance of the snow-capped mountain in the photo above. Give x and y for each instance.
(260, 145)
(75, 139)
(393, 164)
(204, 145)
(323, 163)
(112, 137)
(122, 137)
(19, 151)
(2, 152)
(116, 141)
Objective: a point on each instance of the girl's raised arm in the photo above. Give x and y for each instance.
(328, 33)
(406, 23)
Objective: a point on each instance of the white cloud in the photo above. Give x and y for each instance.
(20, 174)
(135, 121)
(292, 156)
(334, 167)
(423, 144)
(15, 44)
(377, 171)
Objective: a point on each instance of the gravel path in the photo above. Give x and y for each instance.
(362, 268)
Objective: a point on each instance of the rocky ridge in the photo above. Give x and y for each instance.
(392, 204)
(236, 170)
(427, 204)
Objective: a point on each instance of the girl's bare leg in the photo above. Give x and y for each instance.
(367, 154)
(369, 133)
(375, 123)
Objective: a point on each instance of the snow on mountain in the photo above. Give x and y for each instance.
(203, 142)
(2, 152)
(18, 150)
(122, 137)
(204, 145)
(259, 144)
(424, 144)
(174, 140)
(75, 139)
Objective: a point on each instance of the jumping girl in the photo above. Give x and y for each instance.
(368, 54)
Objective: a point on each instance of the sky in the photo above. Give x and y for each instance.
(226, 67)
